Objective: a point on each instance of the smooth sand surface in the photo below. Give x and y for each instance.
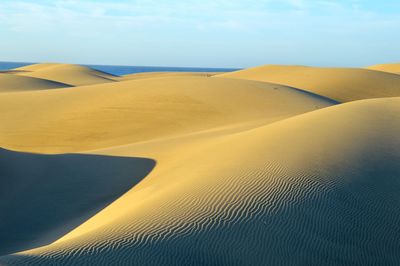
(341, 84)
(13, 83)
(166, 74)
(199, 170)
(92, 117)
(70, 74)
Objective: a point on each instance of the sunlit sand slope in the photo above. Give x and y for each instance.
(13, 83)
(341, 84)
(321, 188)
(391, 68)
(70, 74)
(91, 117)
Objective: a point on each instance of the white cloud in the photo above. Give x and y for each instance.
(153, 25)
(74, 16)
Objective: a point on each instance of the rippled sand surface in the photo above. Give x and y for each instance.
(273, 165)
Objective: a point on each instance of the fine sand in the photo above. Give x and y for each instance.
(341, 84)
(14, 83)
(70, 74)
(200, 168)
(391, 68)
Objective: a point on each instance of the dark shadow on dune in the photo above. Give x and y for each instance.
(11, 71)
(43, 197)
(318, 96)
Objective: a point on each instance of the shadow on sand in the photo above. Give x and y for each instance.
(43, 197)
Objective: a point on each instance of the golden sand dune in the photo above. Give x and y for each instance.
(391, 68)
(166, 74)
(105, 115)
(341, 84)
(197, 170)
(13, 83)
(316, 189)
(70, 74)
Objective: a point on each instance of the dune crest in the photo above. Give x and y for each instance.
(148, 75)
(75, 75)
(341, 84)
(391, 68)
(13, 83)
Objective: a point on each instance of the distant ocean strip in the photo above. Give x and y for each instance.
(123, 70)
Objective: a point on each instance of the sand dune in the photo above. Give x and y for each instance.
(341, 84)
(254, 194)
(196, 170)
(166, 74)
(92, 117)
(70, 74)
(391, 68)
(13, 83)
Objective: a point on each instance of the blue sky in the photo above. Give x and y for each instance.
(218, 33)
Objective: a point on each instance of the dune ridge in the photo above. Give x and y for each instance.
(208, 170)
(75, 75)
(391, 68)
(13, 83)
(147, 75)
(340, 84)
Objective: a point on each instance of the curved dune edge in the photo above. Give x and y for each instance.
(13, 83)
(106, 115)
(75, 75)
(253, 193)
(391, 68)
(52, 194)
(340, 84)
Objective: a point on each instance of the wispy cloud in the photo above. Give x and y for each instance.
(281, 25)
(50, 15)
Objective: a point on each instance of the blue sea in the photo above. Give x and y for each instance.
(123, 70)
